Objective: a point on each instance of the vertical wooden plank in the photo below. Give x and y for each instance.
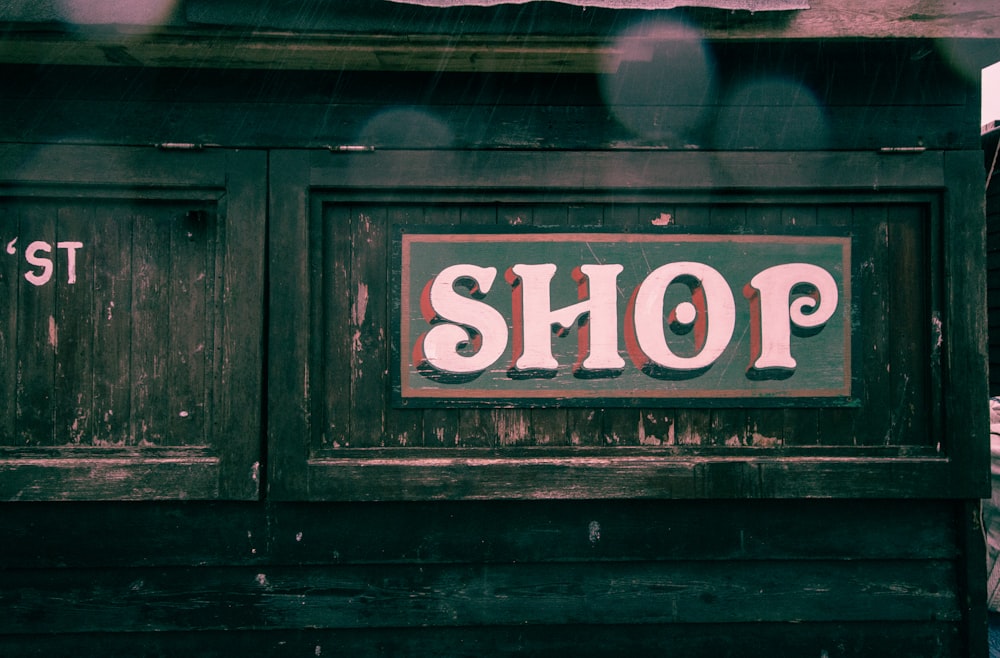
(404, 427)
(972, 577)
(801, 425)
(37, 337)
(584, 426)
(872, 340)
(368, 325)
(289, 431)
(550, 427)
(112, 309)
(621, 426)
(482, 427)
(836, 426)
(693, 426)
(656, 425)
(518, 427)
(332, 408)
(10, 265)
(240, 233)
(73, 282)
(965, 337)
(151, 325)
(729, 426)
(909, 349)
(187, 298)
(765, 426)
(211, 324)
(441, 426)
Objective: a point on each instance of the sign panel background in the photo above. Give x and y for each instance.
(824, 360)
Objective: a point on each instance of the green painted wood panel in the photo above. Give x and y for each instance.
(609, 320)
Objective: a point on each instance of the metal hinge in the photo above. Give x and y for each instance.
(180, 146)
(351, 148)
(902, 150)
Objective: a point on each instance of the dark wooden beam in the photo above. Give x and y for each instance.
(538, 37)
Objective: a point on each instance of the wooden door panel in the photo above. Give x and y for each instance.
(361, 441)
(121, 359)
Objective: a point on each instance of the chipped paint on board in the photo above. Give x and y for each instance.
(53, 333)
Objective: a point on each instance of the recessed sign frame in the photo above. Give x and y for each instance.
(549, 317)
(339, 431)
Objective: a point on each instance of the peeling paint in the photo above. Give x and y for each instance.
(53, 333)
(594, 532)
(764, 441)
(360, 308)
(305, 386)
(510, 427)
(937, 331)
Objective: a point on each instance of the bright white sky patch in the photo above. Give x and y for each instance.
(991, 93)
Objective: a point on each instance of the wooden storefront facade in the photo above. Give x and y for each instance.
(203, 449)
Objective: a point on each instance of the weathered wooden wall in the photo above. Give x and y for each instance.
(705, 578)
(735, 575)
(720, 96)
(991, 151)
(377, 35)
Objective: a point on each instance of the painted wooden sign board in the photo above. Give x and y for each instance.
(621, 319)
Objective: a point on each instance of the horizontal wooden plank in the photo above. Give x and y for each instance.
(99, 534)
(789, 95)
(823, 19)
(553, 127)
(475, 595)
(611, 530)
(560, 39)
(627, 171)
(472, 477)
(114, 167)
(94, 535)
(96, 478)
(896, 73)
(836, 640)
